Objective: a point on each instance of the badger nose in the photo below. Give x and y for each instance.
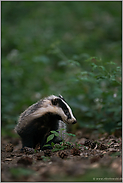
(74, 122)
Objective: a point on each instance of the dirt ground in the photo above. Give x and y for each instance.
(97, 158)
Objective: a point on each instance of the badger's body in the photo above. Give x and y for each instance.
(36, 122)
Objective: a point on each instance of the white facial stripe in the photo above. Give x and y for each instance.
(54, 110)
(70, 111)
(40, 112)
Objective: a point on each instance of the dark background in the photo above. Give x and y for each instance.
(67, 48)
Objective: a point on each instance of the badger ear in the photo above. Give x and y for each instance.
(54, 101)
(60, 96)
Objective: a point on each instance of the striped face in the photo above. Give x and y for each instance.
(64, 110)
(52, 104)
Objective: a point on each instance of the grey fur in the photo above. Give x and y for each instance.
(27, 115)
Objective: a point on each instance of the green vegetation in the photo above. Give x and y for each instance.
(67, 48)
(62, 145)
(92, 175)
(19, 172)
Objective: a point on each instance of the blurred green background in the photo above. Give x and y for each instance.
(67, 48)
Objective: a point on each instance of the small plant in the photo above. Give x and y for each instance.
(49, 138)
(102, 84)
(85, 147)
(77, 146)
(62, 145)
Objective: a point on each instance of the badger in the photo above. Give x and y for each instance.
(36, 122)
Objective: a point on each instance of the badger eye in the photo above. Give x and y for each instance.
(54, 101)
(67, 114)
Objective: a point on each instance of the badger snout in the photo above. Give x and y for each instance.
(74, 122)
(71, 121)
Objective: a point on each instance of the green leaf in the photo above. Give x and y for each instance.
(111, 63)
(74, 63)
(73, 135)
(118, 69)
(52, 144)
(94, 66)
(102, 67)
(84, 78)
(83, 73)
(50, 137)
(55, 133)
(46, 145)
(70, 134)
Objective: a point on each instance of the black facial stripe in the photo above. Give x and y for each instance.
(62, 98)
(67, 114)
(64, 108)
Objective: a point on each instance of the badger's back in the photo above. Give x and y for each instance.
(32, 114)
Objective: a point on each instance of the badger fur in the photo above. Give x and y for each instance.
(36, 122)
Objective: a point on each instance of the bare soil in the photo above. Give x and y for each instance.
(98, 159)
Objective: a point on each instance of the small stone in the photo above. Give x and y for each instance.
(8, 159)
(82, 141)
(9, 148)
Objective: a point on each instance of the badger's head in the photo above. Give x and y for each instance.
(57, 106)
